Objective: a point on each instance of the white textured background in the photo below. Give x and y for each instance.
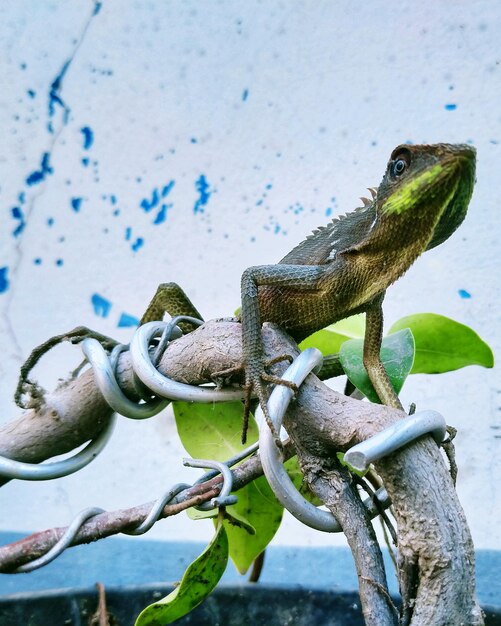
(268, 117)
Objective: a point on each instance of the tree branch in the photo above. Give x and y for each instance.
(433, 536)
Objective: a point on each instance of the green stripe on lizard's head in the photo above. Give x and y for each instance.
(402, 198)
(428, 185)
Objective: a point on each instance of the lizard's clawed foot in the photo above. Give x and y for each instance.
(255, 375)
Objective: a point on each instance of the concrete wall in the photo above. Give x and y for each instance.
(154, 141)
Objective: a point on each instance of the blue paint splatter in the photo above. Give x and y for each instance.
(194, 140)
(328, 211)
(31, 93)
(113, 199)
(59, 262)
(101, 305)
(162, 214)
(450, 107)
(167, 188)
(128, 233)
(126, 321)
(17, 214)
(85, 161)
(50, 221)
(55, 98)
(76, 204)
(97, 7)
(116, 212)
(88, 137)
(37, 261)
(139, 243)
(296, 208)
(464, 294)
(39, 175)
(147, 205)
(202, 186)
(245, 94)
(4, 281)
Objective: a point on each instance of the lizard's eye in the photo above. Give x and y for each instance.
(400, 161)
(399, 167)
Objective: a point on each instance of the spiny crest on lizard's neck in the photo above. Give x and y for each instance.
(342, 232)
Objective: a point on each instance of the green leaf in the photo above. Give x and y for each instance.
(397, 355)
(329, 339)
(213, 431)
(195, 515)
(444, 345)
(258, 506)
(197, 583)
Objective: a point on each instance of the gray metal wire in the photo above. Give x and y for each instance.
(65, 541)
(396, 436)
(271, 457)
(156, 510)
(359, 457)
(103, 367)
(172, 495)
(224, 498)
(166, 387)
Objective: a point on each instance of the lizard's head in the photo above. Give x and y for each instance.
(429, 182)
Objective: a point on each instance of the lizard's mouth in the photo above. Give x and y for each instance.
(460, 165)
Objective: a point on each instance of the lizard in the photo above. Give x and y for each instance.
(345, 267)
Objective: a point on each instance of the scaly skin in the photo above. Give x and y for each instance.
(345, 267)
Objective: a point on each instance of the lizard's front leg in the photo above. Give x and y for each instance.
(301, 277)
(372, 359)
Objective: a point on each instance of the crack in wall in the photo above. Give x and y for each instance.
(23, 212)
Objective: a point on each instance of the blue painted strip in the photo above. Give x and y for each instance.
(117, 561)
